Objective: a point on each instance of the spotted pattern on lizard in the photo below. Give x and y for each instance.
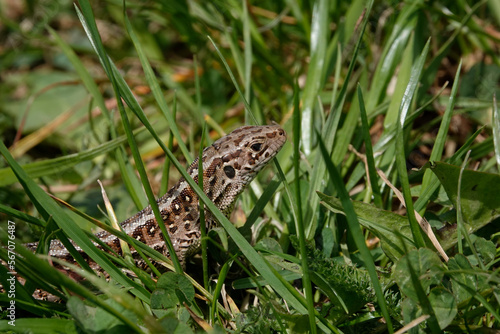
(229, 165)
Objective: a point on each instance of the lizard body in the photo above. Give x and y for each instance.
(229, 164)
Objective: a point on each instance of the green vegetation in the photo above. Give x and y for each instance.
(374, 96)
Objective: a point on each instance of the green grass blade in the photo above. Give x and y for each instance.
(58, 165)
(84, 75)
(319, 35)
(43, 268)
(346, 134)
(372, 171)
(430, 73)
(400, 145)
(170, 145)
(496, 131)
(122, 90)
(203, 226)
(437, 150)
(245, 247)
(49, 209)
(404, 74)
(455, 159)
(328, 134)
(247, 76)
(248, 109)
(356, 232)
(130, 180)
(155, 88)
(21, 215)
(306, 280)
(405, 25)
(259, 206)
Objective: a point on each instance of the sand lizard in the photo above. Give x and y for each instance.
(229, 164)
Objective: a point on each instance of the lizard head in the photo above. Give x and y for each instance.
(246, 150)
(233, 161)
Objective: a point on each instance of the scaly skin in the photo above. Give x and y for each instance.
(229, 165)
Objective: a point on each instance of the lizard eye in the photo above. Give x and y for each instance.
(256, 147)
(230, 172)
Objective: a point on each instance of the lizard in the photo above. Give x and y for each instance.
(229, 165)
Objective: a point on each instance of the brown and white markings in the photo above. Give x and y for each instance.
(229, 164)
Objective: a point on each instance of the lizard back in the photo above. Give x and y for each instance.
(229, 165)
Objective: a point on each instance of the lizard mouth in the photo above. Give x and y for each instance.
(276, 138)
(279, 139)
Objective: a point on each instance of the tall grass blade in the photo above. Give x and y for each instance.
(496, 130)
(88, 20)
(306, 280)
(437, 150)
(155, 88)
(372, 171)
(400, 145)
(50, 210)
(356, 232)
(314, 82)
(328, 136)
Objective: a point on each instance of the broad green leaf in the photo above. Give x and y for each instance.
(392, 229)
(174, 326)
(426, 265)
(460, 262)
(479, 193)
(172, 291)
(95, 319)
(411, 311)
(444, 306)
(486, 249)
